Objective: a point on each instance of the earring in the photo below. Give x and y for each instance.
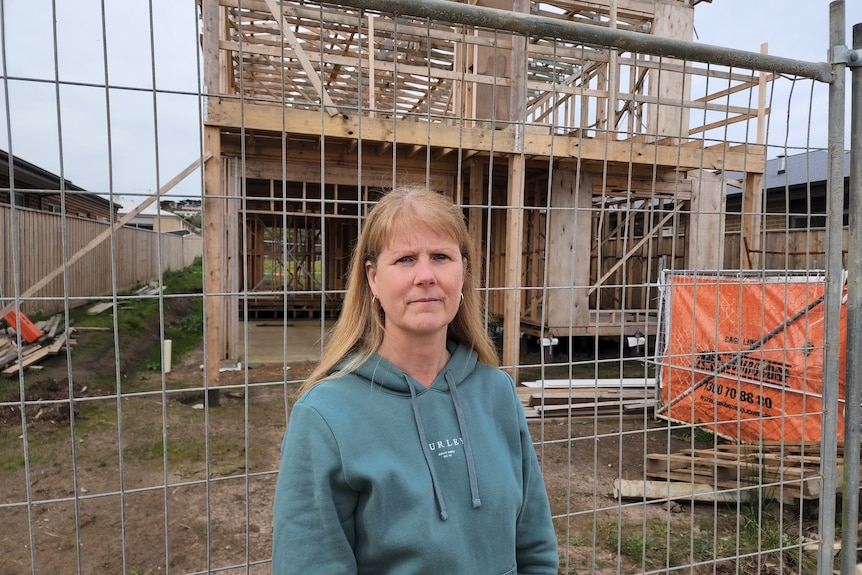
(462, 300)
(373, 299)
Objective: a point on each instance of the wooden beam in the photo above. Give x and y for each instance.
(512, 262)
(752, 220)
(372, 72)
(215, 72)
(515, 204)
(569, 227)
(647, 236)
(213, 251)
(672, 20)
(475, 193)
(227, 113)
(300, 54)
(722, 123)
(652, 489)
(705, 235)
(762, 110)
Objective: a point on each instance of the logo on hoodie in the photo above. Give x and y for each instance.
(445, 448)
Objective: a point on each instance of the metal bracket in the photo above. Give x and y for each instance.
(843, 55)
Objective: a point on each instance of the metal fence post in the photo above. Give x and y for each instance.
(834, 287)
(853, 389)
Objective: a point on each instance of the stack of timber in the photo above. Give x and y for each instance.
(627, 397)
(13, 358)
(150, 289)
(737, 472)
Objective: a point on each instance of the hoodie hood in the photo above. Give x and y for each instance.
(380, 372)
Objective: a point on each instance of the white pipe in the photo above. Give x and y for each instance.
(166, 352)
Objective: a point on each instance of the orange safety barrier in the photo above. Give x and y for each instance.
(29, 332)
(744, 356)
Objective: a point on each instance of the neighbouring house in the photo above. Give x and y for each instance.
(50, 250)
(158, 219)
(188, 208)
(185, 208)
(792, 215)
(29, 186)
(794, 192)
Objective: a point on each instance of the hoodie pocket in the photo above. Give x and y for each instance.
(512, 571)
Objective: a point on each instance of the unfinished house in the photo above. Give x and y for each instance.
(582, 171)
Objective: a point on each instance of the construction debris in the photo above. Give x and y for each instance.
(787, 471)
(152, 288)
(20, 322)
(627, 397)
(12, 358)
(100, 307)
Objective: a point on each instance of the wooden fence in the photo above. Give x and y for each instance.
(802, 249)
(135, 259)
(45, 242)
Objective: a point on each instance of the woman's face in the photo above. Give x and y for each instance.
(417, 280)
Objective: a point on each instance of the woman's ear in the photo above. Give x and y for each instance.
(371, 276)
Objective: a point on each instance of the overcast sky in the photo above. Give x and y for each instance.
(143, 128)
(799, 30)
(154, 137)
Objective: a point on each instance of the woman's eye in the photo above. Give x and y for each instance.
(405, 259)
(441, 257)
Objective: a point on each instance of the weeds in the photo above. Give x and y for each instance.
(761, 538)
(761, 528)
(654, 547)
(693, 432)
(179, 308)
(185, 331)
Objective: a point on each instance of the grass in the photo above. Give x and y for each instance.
(11, 460)
(193, 445)
(137, 323)
(181, 306)
(190, 449)
(761, 528)
(655, 546)
(45, 448)
(186, 331)
(699, 433)
(760, 538)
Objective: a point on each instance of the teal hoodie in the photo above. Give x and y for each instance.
(383, 476)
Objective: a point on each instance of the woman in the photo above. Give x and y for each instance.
(407, 451)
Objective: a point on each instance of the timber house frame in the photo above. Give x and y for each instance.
(312, 109)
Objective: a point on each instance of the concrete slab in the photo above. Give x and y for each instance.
(274, 342)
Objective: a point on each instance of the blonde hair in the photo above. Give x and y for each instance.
(359, 329)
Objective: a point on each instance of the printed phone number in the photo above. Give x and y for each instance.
(741, 395)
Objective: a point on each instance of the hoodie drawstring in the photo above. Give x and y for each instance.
(421, 429)
(468, 451)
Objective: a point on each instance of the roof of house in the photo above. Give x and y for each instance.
(800, 169)
(151, 210)
(795, 170)
(31, 177)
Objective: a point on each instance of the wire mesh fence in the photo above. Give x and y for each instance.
(659, 247)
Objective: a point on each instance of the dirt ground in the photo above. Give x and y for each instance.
(97, 501)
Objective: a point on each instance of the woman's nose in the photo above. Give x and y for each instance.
(425, 273)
